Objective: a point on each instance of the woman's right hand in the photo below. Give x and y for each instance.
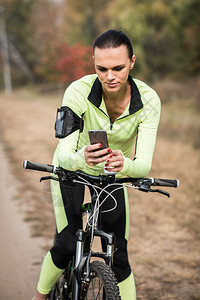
(94, 155)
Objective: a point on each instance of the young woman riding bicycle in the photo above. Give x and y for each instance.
(129, 110)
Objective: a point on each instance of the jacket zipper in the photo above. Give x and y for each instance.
(111, 124)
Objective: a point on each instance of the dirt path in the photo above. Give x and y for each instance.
(164, 244)
(20, 255)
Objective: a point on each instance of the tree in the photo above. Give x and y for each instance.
(84, 20)
(186, 25)
(159, 43)
(47, 21)
(74, 62)
(165, 34)
(130, 17)
(19, 32)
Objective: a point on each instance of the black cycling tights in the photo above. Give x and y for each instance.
(113, 221)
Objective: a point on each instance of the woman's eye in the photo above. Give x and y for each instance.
(118, 69)
(102, 69)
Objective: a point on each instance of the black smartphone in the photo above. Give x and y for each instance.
(98, 136)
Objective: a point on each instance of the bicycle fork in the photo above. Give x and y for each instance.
(79, 255)
(82, 260)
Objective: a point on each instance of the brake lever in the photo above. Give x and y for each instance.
(146, 188)
(48, 178)
(160, 191)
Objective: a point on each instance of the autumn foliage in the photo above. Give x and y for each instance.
(165, 36)
(74, 62)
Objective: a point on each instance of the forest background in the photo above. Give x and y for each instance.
(54, 38)
(49, 44)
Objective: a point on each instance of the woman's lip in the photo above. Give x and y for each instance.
(111, 84)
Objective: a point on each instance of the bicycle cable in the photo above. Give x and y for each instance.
(98, 204)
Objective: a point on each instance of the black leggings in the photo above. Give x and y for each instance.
(113, 221)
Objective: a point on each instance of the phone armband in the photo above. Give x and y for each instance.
(67, 122)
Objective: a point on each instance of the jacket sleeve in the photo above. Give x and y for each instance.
(145, 143)
(67, 155)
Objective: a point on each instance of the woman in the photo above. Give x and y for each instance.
(129, 111)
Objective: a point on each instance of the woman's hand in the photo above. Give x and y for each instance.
(94, 155)
(115, 162)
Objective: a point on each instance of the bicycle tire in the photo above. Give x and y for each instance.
(102, 283)
(61, 290)
(54, 293)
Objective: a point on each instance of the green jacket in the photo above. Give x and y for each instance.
(136, 127)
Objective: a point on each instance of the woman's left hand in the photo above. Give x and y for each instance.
(115, 160)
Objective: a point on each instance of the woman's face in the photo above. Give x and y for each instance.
(112, 66)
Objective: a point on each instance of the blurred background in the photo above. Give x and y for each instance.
(50, 40)
(45, 45)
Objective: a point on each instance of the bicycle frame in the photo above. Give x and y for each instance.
(82, 260)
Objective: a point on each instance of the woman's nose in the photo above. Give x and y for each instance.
(110, 75)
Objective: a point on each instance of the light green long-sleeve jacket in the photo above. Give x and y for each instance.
(138, 123)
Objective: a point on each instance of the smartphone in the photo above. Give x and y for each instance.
(98, 136)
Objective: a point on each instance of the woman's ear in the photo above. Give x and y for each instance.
(132, 62)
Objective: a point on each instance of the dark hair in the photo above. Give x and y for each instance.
(113, 39)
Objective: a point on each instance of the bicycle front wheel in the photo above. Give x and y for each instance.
(102, 283)
(55, 293)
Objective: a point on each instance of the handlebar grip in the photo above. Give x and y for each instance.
(38, 167)
(166, 182)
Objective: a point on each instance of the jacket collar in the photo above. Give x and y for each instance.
(95, 96)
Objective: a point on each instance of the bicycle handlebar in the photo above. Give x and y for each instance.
(142, 183)
(39, 167)
(165, 182)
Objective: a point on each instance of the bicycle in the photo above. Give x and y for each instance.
(83, 278)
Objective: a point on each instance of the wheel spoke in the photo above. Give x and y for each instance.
(102, 283)
(99, 292)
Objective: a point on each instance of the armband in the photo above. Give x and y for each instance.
(67, 122)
